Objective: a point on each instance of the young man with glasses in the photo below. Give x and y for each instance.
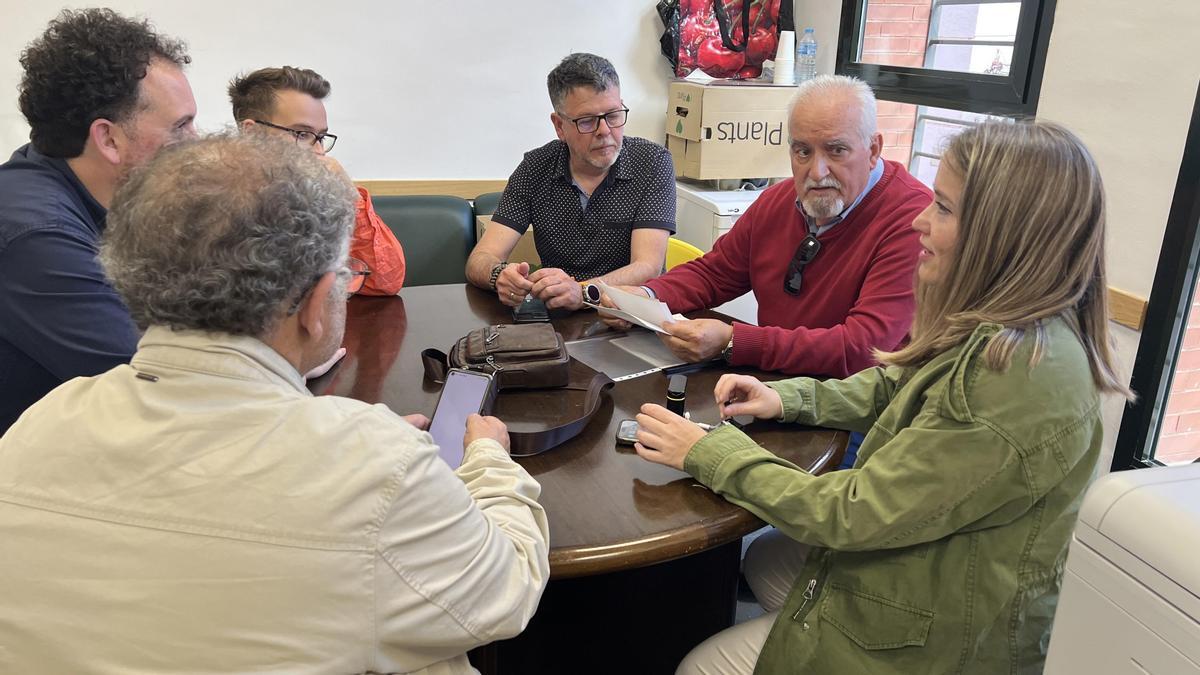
(829, 255)
(601, 205)
(289, 100)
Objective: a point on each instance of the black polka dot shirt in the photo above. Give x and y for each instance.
(588, 241)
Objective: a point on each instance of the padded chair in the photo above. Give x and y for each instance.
(486, 203)
(679, 252)
(437, 233)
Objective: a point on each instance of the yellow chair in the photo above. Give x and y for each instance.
(679, 252)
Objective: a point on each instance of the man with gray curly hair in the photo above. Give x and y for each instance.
(227, 518)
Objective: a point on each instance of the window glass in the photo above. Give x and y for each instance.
(960, 37)
(932, 130)
(1179, 436)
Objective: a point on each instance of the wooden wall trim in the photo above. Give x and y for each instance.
(1126, 308)
(467, 189)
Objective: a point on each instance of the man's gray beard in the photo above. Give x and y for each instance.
(823, 207)
(603, 167)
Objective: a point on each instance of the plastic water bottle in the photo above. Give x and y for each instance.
(806, 57)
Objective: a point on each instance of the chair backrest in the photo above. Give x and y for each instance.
(679, 252)
(486, 203)
(436, 231)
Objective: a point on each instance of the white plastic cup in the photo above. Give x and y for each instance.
(785, 58)
(785, 71)
(786, 51)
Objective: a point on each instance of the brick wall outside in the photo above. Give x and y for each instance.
(895, 34)
(1179, 439)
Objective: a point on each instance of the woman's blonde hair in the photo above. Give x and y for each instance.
(1030, 248)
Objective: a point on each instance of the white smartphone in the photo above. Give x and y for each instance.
(465, 392)
(627, 432)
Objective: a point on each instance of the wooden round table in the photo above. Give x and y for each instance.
(610, 512)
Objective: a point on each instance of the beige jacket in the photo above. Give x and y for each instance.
(222, 519)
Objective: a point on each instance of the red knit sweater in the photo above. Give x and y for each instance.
(857, 293)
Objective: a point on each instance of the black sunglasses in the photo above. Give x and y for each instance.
(804, 254)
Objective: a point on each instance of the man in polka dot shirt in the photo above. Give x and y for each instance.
(602, 206)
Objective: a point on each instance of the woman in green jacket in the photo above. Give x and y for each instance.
(941, 551)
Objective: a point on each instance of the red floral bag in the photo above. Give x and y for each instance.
(722, 38)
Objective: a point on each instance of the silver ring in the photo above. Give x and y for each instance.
(512, 296)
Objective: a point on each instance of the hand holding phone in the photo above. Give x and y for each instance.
(466, 393)
(482, 426)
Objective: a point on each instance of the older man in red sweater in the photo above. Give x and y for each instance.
(829, 256)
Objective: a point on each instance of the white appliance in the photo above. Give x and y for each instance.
(702, 215)
(1130, 599)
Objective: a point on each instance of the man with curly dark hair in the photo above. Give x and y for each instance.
(102, 93)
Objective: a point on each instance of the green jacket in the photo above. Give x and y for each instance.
(941, 551)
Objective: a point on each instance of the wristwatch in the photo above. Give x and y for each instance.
(727, 353)
(496, 270)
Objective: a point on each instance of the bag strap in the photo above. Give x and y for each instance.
(436, 364)
(726, 32)
(528, 443)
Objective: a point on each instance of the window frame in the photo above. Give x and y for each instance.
(1167, 312)
(922, 115)
(1013, 95)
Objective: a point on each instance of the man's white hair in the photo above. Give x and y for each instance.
(825, 86)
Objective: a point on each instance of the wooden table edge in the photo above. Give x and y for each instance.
(566, 563)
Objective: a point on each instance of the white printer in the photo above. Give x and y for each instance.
(1131, 591)
(702, 215)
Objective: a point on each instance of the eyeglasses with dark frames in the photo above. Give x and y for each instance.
(356, 269)
(805, 253)
(302, 137)
(588, 124)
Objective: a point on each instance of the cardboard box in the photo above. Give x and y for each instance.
(728, 129)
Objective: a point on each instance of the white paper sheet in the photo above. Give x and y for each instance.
(640, 311)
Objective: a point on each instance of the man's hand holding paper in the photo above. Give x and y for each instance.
(696, 340)
(692, 340)
(631, 306)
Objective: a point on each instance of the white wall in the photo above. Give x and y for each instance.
(1131, 109)
(824, 17)
(1133, 112)
(420, 90)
